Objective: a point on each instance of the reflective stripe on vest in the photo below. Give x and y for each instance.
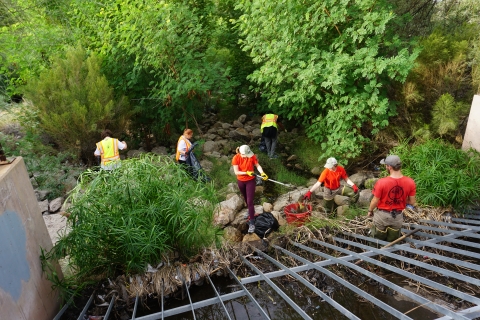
(269, 120)
(188, 144)
(108, 150)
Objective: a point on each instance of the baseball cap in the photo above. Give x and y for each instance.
(331, 162)
(391, 160)
(245, 150)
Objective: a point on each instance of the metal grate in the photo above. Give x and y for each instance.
(442, 232)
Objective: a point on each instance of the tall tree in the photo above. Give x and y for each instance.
(75, 103)
(327, 64)
(28, 38)
(159, 53)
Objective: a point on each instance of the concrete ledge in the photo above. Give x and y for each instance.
(472, 133)
(25, 293)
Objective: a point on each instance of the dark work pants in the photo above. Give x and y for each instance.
(271, 144)
(247, 188)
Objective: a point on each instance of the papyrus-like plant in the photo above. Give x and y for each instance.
(136, 215)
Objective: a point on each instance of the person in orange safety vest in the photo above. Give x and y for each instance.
(107, 149)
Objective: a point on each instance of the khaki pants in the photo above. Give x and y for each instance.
(329, 194)
(383, 219)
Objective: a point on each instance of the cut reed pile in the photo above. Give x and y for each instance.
(169, 276)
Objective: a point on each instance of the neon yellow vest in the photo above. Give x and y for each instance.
(108, 150)
(269, 120)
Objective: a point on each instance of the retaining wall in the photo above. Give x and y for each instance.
(25, 293)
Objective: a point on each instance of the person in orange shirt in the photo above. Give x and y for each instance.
(330, 178)
(243, 165)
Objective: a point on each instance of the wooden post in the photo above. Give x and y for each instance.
(395, 242)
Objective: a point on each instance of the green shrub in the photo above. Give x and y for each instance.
(446, 115)
(75, 103)
(122, 220)
(444, 175)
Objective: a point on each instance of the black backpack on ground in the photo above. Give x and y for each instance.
(265, 223)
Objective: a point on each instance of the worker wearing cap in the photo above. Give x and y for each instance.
(390, 196)
(330, 178)
(107, 150)
(243, 165)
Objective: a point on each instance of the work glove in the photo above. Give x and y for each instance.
(409, 206)
(264, 176)
(307, 195)
(250, 173)
(355, 188)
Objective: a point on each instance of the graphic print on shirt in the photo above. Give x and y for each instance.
(395, 196)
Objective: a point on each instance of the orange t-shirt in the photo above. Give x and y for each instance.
(244, 164)
(331, 179)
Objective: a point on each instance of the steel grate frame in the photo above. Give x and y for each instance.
(433, 235)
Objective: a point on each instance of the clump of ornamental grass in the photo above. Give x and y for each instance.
(444, 175)
(136, 215)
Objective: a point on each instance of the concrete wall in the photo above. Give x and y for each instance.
(25, 293)
(472, 134)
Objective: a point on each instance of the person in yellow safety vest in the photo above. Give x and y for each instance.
(269, 131)
(107, 149)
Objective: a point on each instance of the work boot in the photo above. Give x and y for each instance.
(392, 234)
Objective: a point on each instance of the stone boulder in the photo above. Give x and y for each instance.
(255, 241)
(160, 151)
(280, 216)
(359, 178)
(225, 211)
(288, 198)
(342, 200)
(135, 153)
(55, 205)
(364, 198)
(42, 194)
(267, 207)
(342, 210)
(242, 118)
(43, 205)
(210, 146)
(232, 187)
(240, 134)
(207, 165)
(232, 234)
